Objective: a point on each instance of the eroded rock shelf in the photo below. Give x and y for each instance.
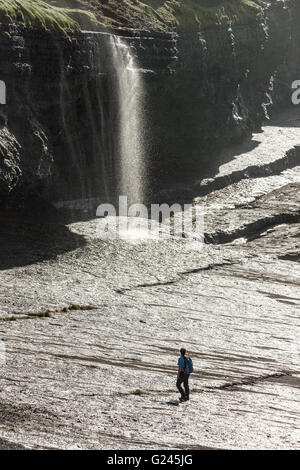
(104, 377)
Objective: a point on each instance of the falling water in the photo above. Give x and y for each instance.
(104, 143)
(130, 90)
(88, 113)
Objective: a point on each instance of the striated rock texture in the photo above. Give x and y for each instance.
(202, 90)
(226, 81)
(50, 82)
(78, 312)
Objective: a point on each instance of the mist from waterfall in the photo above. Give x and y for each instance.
(102, 118)
(132, 170)
(88, 119)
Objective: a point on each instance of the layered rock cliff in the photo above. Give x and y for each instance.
(203, 88)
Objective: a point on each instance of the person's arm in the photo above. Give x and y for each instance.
(180, 369)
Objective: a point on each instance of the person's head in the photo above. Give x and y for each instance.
(183, 351)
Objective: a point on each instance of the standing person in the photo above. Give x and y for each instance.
(185, 368)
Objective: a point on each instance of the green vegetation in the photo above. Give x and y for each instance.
(11, 318)
(81, 307)
(185, 15)
(29, 316)
(75, 307)
(139, 393)
(47, 313)
(190, 14)
(39, 14)
(160, 15)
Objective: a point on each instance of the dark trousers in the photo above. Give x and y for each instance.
(183, 378)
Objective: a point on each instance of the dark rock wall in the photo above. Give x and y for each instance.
(59, 94)
(25, 154)
(225, 83)
(59, 128)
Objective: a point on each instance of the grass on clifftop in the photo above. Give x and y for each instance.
(184, 15)
(191, 14)
(38, 14)
(160, 15)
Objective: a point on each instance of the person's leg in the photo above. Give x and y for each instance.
(178, 385)
(186, 386)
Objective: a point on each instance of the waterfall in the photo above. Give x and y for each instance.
(102, 116)
(130, 140)
(88, 111)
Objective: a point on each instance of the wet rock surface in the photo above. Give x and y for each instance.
(59, 126)
(92, 331)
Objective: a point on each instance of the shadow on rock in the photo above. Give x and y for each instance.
(172, 402)
(28, 238)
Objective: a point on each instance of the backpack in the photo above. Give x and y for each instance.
(188, 366)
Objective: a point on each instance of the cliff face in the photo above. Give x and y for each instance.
(26, 157)
(50, 126)
(201, 91)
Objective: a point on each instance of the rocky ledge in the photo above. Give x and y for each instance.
(92, 327)
(58, 128)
